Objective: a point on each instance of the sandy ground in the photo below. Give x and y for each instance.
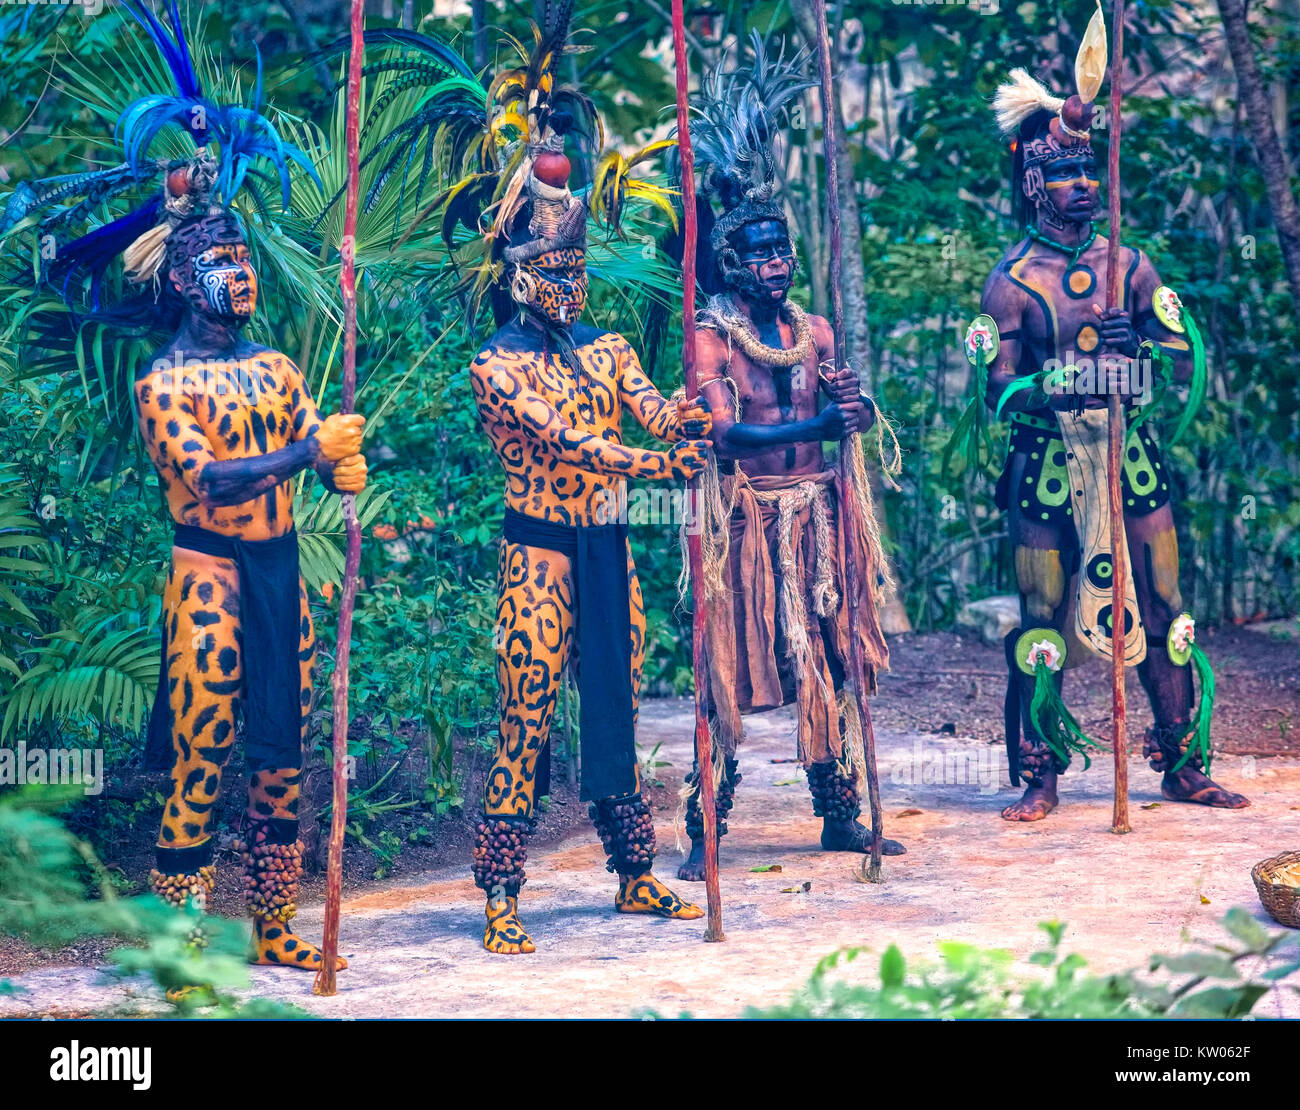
(968, 875)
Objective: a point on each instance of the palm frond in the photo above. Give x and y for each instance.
(105, 668)
(321, 532)
(20, 538)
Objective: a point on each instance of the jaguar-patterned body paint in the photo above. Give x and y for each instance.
(559, 441)
(554, 285)
(204, 675)
(558, 436)
(535, 619)
(227, 280)
(227, 424)
(238, 410)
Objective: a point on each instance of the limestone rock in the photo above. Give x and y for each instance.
(990, 618)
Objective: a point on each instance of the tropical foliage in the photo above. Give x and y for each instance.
(1228, 979)
(54, 889)
(83, 534)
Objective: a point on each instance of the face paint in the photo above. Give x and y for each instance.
(1072, 185)
(761, 262)
(554, 285)
(210, 268)
(1064, 188)
(227, 280)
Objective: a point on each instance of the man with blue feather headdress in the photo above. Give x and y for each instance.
(227, 423)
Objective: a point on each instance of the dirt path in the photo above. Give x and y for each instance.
(968, 876)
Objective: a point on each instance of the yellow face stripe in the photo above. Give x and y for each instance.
(1071, 181)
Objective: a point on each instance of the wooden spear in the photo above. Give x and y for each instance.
(848, 521)
(326, 978)
(1117, 432)
(694, 546)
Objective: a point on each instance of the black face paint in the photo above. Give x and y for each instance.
(759, 262)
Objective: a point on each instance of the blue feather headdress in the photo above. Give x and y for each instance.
(230, 140)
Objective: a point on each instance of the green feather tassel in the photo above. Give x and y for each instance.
(1040, 379)
(1057, 724)
(972, 427)
(1016, 385)
(1164, 365)
(1200, 377)
(1200, 739)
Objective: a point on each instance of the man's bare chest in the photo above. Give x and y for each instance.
(245, 408)
(586, 398)
(1060, 315)
(776, 394)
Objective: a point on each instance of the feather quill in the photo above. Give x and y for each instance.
(738, 114)
(1090, 62)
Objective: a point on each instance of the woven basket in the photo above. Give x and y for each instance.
(1280, 899)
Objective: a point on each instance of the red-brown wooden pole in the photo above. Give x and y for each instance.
(1117, 430)
(326, 978)
(694, 549)
(850, 524)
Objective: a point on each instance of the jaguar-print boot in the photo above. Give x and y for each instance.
(185, 878)
(1164, 746)
(500, 853)
(272, 856)
(692, 871)
(835, 801)
(627, 832)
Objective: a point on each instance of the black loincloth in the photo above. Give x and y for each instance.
(603, 633)
(1044, 493)
(270, 624)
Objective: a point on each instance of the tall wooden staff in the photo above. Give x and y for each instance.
(326, 978)
(694, 546)
(848, 505)
(1117, 430)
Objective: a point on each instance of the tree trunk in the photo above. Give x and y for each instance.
(1268, 148)
(810, 216)
(857, 337)
(478, 34)
(856, 325)
(307, 42)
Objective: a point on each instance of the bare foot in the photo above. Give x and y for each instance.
(1037, 803)
(692, 870)
(274, 943)
(853, 836)
(646, 894)
(505, 933)
(1190, 785)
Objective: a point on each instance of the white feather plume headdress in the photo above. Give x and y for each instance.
(1022, 96)
(1019, 99)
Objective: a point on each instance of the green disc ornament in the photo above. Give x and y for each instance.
(1045, 644)
(982, 341)
(1182, 634)
(1168, 309)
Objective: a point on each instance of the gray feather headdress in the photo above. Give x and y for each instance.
(736, 118)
